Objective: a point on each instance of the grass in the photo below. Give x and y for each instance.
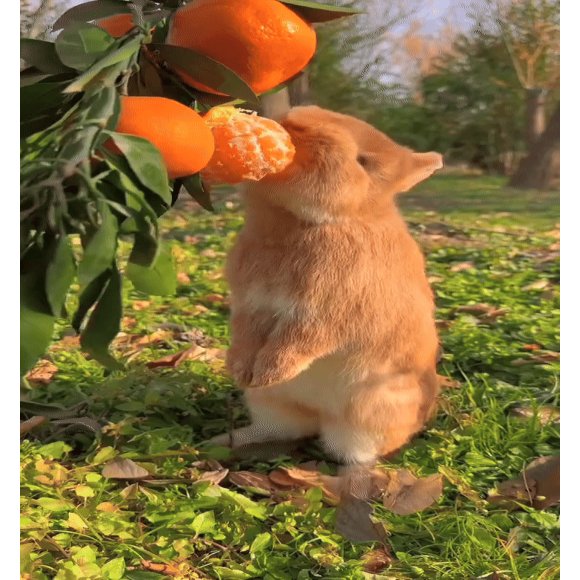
(77, 524)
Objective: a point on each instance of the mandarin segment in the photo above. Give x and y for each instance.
(185, 142)
(247, 147)
(262, 41)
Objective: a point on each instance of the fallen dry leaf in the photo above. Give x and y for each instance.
(545, 414)
(353, 521)
(195, 352)
(485, 312)
(42, 373)
(462, 267)
(215, 477)
(165, 569)
(538, 485)
(128, 322)
(32, 423)
(405, 494)
(251, 479)
(140, 304)
(545, 357)
(435, 279)
(377, 560)
(295, 477)
(531, 347)
(121, 468)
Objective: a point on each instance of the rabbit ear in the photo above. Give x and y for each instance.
(420, 167)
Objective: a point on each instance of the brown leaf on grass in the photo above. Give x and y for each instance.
(538, 485)
(32, 423)
(485, 312)
(165, 569)
(67, 343)
(353, 521)
(258, 481)
(130, 492)
(543, 358)
(295, 477)
(42, 373)
(545, 414)
(405, 494)
(195, 352)
(443, 324)
(121, 468)
(140, 304)
(215, 477)
(435, 279)
(531, 347)
(128, 322)
(447, 382)
(462, 267)
(377, 560)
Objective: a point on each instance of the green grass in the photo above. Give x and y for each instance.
(77, 524)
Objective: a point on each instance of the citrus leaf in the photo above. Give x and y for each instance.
(145, 250)
(32, 75)
(316, 12)
(195, 187)
(104, 323)
(100, 251)
(146, 162)
(159, 279)
(36, 319)
(121, 468)
(88, 297)
(119, 57)
(59, 275)
(88, 11)
(40, 97)
(81, 44)
(206, 70)
(114, 569)
(42, 55)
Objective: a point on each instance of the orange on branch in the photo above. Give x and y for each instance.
(117, 25)
(262, 41)
(247, 147)
(185, 142)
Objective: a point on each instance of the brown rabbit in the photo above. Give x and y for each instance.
(333, 329)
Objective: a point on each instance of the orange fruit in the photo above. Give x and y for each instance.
(117, 25)
(262, 41)
(185, 142)
(247, 147)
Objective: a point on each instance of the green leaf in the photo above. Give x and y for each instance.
(203, 523)
(206, 70)
(54, 450)
(42, 55)
(36, 319)
(104, 323)
(81, 44)
(316, 12)
(86, 555)
(114, 569)
(60, 275)
(195, 187)
(145, 250)
(88, 297)
(88, 11)
(40, 97)
(105, 454)
(260, 543)
(158, 279)
(484, 538)
(120, 57)
(146, 161)
(104, 107)
(51, 504)
(100, 251)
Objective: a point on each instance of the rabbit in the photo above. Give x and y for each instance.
(332, 316)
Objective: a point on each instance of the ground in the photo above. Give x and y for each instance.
(485, 245)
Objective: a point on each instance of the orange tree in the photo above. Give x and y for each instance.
(111, 133)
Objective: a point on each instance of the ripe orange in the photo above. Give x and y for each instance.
(247, 147)
(185, 142)
(117, 25)
(262, 41)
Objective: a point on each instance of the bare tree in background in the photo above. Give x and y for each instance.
(37, 16)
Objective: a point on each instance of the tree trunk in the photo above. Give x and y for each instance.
(536, 169)
(535, 115)
(299, 90)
